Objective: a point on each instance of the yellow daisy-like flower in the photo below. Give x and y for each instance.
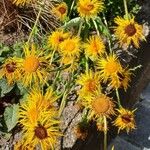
(36, 104)
(70, 47)
(94, 47)
(61, 11)
(21, 2)
(121, 79)
(109, 66)
(34, 66)
(38, 116)
(11, 70)
(125, 120)
(99, 106)
(89, 8)
(69, 60)
(90, 83)
(128, 31)
(56, 38)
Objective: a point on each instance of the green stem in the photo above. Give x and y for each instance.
(57, 76)
(118, 98)
(63, 103)
(80, 27)
(126, 8)
(53, 53)
(96, 27)
(105, 133)
(64, 98)
(35, 24)
(109, 38)
(87, 65)
(71, 7)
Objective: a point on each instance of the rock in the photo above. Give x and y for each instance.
(121, 144)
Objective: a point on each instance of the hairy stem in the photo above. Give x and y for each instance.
(96, 27)
(126, 8)
(80, 27)
(118, 98)
(105, 133)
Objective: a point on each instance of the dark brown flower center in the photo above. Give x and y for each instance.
(126, 118)
(11, 67)
(62, 10)
(40, 132)
(130, 30)
(61, 39)
(90, 7)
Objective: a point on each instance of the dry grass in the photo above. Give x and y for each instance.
(15, 18)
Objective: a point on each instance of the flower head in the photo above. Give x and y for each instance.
(38, 116)
(90, 83)
(109, 66)
(94, 47)
(34, 66)
(61, 10)
(11, 70)
(55, 39)
(71, 61)
(89, 8)
(125, 120)
(70, 47)
(99, 105)
(128, 32)
(121, 79)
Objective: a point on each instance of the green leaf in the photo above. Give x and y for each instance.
(11, 116)
(73, 22)
(4, 87)
(3, 49)
(102, 27)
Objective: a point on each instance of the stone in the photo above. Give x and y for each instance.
(145, 95)
(121, 144)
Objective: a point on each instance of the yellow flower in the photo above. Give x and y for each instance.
(94, 47)
(89, 8)
(11, 70)
(21, 2)
(70, 47)
(56, 38)
(90, 83)
(128, 31)
(121, 79)
(125, 120)
(69, 60)
(61, 11)
(36, 104)
(109, 66)
(34, 66)
(99, 105)
(38, 116)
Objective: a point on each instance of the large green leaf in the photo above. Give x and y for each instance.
(73, 22)
(4, 87)
(11, 116)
